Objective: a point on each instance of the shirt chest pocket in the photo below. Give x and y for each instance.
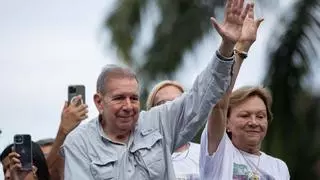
(102, 168)
(149, 155)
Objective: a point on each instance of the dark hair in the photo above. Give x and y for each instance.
(37, 157)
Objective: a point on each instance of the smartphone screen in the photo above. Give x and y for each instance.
(22, 146)
(75, 90)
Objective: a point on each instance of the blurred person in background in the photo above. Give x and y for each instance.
(185, 159)
(11, 165)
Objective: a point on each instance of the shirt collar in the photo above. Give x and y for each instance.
(103, 135)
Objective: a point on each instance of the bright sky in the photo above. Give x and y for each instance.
(47, 45)
(44, 47)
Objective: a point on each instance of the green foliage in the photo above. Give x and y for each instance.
(183, 24)
(124, 24)
(292, 136)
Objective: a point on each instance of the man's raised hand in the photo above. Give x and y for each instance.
(231, 28)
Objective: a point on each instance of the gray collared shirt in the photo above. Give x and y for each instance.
(89, 154)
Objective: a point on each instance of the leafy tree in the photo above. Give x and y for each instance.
(292, 135)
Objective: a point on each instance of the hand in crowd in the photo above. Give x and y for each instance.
(249, 31)
(231, 28)
(16, 173)
(72, 115)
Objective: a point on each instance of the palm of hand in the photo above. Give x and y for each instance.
(250, 27)
(231, 28)
(249, 30)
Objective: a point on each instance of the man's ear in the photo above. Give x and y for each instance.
(98, 101)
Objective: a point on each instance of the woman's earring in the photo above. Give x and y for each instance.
(34, 171)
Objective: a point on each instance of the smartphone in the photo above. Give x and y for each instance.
(75, 90)
(23, 146)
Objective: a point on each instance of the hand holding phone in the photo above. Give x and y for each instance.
(75, 110)
(74, 91)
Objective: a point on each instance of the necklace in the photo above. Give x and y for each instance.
(254, 174)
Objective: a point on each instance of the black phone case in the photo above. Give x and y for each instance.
(23, 146)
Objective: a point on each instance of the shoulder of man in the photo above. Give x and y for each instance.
(148, 119)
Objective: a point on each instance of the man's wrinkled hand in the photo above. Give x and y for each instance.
(234, 16)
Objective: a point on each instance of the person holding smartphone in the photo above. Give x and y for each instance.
(74, 111)
(71, 116)
(12, 166)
